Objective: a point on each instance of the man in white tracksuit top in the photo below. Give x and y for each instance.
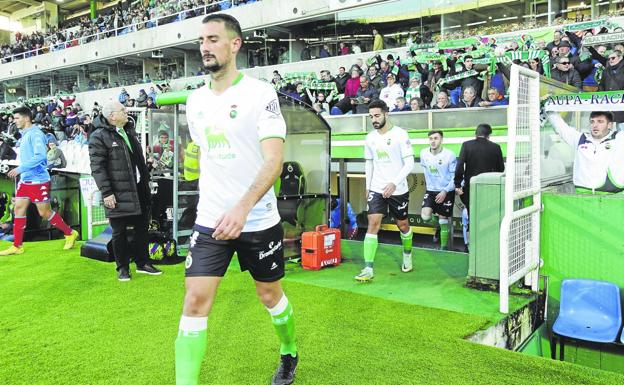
(599, 154)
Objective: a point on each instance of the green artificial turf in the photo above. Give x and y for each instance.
(66, 320)
(437, 281)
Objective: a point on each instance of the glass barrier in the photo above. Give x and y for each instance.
(303, 188)
(424, 120)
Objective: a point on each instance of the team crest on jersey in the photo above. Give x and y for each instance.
(607, 146)
(389, 141)
(233, 111)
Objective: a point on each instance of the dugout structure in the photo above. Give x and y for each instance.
(302, 190)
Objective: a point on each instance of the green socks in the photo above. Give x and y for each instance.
(190, 348)
(370, 249)
(444, 232)
(406, 240)
(284, 323)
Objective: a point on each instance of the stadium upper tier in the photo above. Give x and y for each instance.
(252, 15)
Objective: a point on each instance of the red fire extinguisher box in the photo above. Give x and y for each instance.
(320, 248)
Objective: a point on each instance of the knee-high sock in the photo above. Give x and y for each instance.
(58, 222)
(444, 232)
(190, 348)
(370, 249)
(406, 240)
(19, 225)
(283, 319)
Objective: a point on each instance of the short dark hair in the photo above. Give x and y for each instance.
(484, 130)
(378, 104)
(163, 133)
(606, 114)
(433, 132)
(231, 24)
(24, 111)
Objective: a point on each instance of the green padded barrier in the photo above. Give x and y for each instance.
(168, 98)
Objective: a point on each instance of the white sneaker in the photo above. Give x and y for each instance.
(406, 267)
(365, 275)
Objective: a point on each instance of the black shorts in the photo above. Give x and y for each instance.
(445, 208)
(260, 252)
(377, 204)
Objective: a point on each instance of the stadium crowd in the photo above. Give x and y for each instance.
(470, 72)
(111, 22)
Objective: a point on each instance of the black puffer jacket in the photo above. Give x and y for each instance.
(113, 168)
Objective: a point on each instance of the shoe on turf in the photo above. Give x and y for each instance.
(365, 275)
(123, 275)
(436, 236)
(285, 373)
(70, 240)
(148, 269)
(406, 267)
(12, 250)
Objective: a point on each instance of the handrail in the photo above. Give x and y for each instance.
(104, 34)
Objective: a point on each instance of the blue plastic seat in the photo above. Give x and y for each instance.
(589, 311)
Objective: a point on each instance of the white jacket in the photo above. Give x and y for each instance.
(598, 163)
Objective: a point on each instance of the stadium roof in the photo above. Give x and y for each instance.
(7, 7)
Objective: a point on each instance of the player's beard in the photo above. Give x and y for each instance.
(379, 125)
(215, 66)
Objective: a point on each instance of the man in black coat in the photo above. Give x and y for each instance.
(120, 172)
(476, 157)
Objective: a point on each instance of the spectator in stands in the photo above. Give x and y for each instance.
(443, 101)
(305, 52)
(391, 92)
(6, 151)
(56, 158)
(556, 41)
(583, 67)
(413, 91)
(384, 70)
(81, 136)
(401, 105)
(378, 41)
(356, 48)
(324, 51)
(469, 99)
(150, 103)
(341, 79)
(613, 74)
(416, 104)
(344, 49)
(536, 65)
(565, 73)
(494, 99)
(375, 79)
(320, 98)
(141, 100)
(39, 115)
(437, 72)
(152, 94)
(472, 81)
(352, 85)
(365, 94)
(123, 96)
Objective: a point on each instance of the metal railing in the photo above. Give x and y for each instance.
(123, 30)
